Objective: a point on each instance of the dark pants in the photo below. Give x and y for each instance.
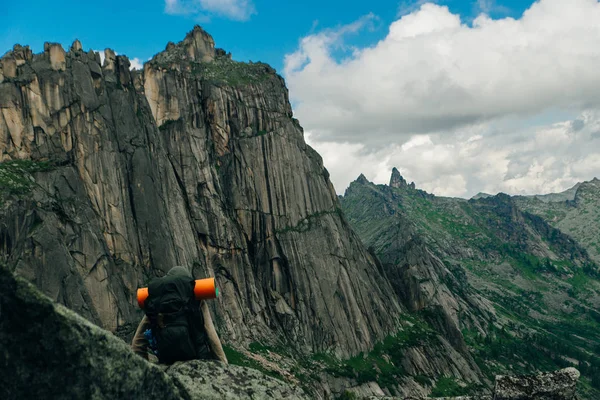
(140, 344)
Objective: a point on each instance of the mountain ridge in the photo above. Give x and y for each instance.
(192, 161)
(110, 176)
(531, 273)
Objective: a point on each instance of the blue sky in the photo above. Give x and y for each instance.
(460, 96)
(142, 28)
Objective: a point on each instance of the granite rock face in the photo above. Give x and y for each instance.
(494, 279)
(560, 385)
(217, 381)
(50, 352)
(195, 161)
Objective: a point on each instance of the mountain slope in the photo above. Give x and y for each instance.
(578, 215)
(109, 177)
(527, 293)
(112, 176)
(49, 352)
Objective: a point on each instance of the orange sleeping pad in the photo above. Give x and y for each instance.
(203, 290)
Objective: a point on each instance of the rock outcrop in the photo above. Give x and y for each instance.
(398, 181)
(494, 279)
(215, 381)
(195, 161)
(49, 352)
(559, 385)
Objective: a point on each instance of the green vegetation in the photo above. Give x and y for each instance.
(546, 347)
(448, 387)
(579, 283)
(233, 73)
(168, 123)
(383, 363)
(308, 222)
(16, 176)
(348, 395)
(237, 358)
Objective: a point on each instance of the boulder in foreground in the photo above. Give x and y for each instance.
(50, 352)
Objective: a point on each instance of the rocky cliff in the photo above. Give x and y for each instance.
(503, 283)
(112, 176)
(50, 352)
(575, 212)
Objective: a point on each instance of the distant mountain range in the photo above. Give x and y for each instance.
(109, 177)
(514, 277)
(568, 194)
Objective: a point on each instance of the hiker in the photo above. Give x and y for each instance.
(177, 327)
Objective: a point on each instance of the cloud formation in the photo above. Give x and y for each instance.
(135, 63)
(461, 108)
(432, 72)
(480, 158)
(239, 10)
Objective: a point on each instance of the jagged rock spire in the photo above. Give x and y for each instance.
(76, 46)
(199, 45)
(362, 179)
(396, 180)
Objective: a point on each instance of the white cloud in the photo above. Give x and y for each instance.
(240, 10)
(346, 161)
(135, 63)
(408, 7)
(542, 159)
(459, 109)
(431, 72)
(489, 6)
(101, 54)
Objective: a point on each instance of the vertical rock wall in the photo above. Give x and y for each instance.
(195, 161)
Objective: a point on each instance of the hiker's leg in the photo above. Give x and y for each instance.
(213, 339)
(139, 344)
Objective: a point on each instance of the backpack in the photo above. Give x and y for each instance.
(176, 321)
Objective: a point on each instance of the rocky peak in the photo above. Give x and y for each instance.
(362, 179)
(76, 46)
(593, 183)
(197, 46)
(397, 181)
(20, 54)
(481, 195)
(57, 56)
(9, 62)
(588, 191)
